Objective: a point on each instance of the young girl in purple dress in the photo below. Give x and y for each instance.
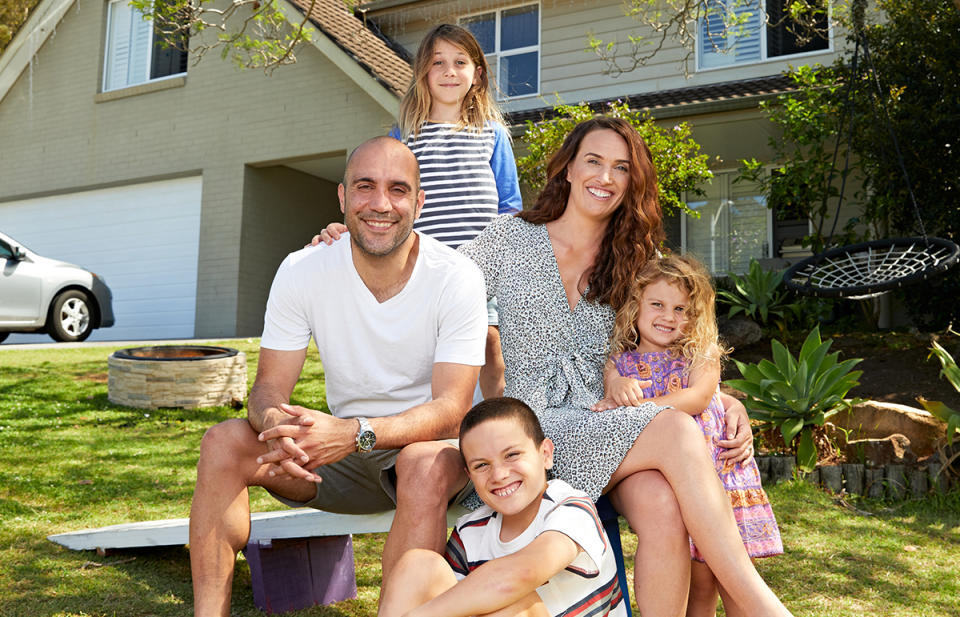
(666, 336)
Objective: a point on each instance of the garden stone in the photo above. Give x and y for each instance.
(813, 477)
(880, 452)
(781, 468)
(874, 482)
(896, 481)
(763, 466)
(853, 478)
(831, 478)
(918, 481)
(936, 478)
(876, 420)
(739, 332)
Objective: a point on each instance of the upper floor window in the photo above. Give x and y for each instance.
(510, 38)
(135, 53)
(751, 40)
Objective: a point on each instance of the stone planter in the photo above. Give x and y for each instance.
(188, 376)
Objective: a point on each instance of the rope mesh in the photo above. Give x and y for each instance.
(872, 268)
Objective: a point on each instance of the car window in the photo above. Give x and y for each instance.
(5, 250)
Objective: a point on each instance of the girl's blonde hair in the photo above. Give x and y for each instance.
(700, 341)
(479, 106)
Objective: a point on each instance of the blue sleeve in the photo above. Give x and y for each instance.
(395, 133)
(504, 168)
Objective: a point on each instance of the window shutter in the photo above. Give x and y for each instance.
(739, 43)
(128, 47)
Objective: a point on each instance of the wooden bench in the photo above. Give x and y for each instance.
(298, 557)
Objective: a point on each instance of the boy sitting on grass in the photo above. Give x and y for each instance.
(536, 548)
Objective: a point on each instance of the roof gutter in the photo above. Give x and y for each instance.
(344, 61)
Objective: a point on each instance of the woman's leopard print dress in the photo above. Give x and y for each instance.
(554, 357)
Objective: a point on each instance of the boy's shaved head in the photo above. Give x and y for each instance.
(501, 409)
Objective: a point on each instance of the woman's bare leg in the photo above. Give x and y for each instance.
(662, 563)
(730, 607)
(673, 444)
(703, 591)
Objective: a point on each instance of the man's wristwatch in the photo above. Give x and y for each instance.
(366, 438)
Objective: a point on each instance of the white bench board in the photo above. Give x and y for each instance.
(264, 527)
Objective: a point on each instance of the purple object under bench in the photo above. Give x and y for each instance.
(297, 573)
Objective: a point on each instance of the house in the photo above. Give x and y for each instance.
(172, 180)
(538, 51)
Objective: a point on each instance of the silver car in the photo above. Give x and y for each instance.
(38, 294)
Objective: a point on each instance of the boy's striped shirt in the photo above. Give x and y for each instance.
(588, 586)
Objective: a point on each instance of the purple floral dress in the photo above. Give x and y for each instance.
(758, 528)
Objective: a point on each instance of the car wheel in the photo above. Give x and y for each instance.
(3, 336)
(70, 318)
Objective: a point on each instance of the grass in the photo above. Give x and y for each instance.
(69, 459)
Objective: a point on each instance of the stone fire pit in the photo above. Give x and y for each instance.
(177, 376)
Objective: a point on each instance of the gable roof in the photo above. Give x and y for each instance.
(369, 60)
(380, 59)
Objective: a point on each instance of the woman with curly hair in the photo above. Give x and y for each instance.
(560, 271)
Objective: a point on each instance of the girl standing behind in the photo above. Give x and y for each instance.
(451, 122)
(666, 334)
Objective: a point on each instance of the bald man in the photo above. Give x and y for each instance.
(400, 323)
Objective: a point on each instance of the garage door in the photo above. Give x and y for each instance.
(142, 239)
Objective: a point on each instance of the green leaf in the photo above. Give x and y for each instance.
(806, 451)
(789, 429)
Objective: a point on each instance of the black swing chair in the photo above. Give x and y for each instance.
(869, 269)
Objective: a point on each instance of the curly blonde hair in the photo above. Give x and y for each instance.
(699, 342)
(478, 107)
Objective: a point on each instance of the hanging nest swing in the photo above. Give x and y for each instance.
(869, 269)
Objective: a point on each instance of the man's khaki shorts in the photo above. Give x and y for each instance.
(361, 483)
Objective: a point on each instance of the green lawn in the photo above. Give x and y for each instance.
(69, 459)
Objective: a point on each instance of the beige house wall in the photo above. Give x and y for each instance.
(569, 71)
(58, 134)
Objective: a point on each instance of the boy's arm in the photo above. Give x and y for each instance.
(502, 582)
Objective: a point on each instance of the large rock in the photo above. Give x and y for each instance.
(876, 420)
(739, 332)
(894, 449)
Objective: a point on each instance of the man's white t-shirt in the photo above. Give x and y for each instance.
(378, 357)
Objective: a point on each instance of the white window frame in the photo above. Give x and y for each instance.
(763, 48)
(496, 54)
(109, 49)
(725, 196)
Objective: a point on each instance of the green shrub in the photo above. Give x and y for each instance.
(681, 168)
(951, 373)
(760, 295)
(796, 394)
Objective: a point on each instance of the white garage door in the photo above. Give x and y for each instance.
(143, 240)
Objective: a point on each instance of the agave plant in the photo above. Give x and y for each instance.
(951, 373)
(797, 394)
(758, 294)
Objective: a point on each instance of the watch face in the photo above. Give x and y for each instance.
(366, 440)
